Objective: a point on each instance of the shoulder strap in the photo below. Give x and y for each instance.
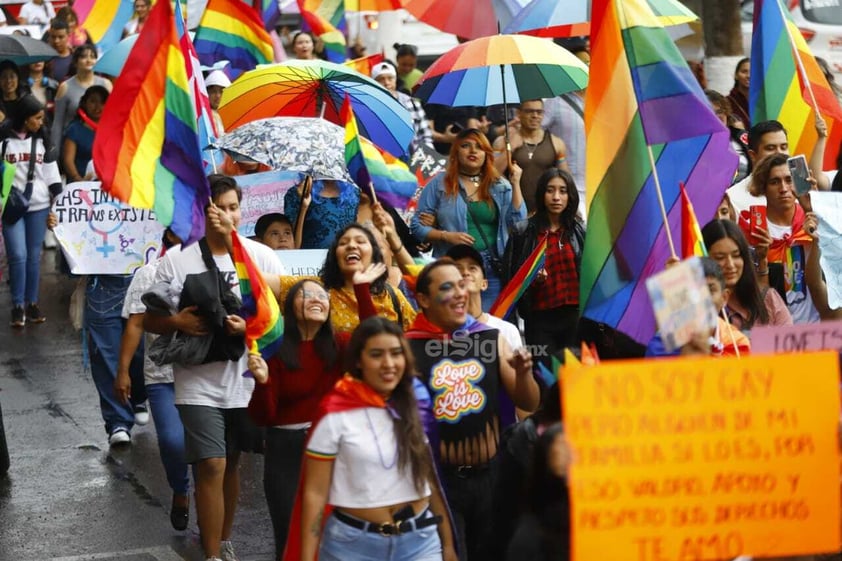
(207, 256)
(573, 104)
(396, 304)
(488, 246)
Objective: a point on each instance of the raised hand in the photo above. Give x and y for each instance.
(370, 274)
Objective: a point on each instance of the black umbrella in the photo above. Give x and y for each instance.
(21, 49)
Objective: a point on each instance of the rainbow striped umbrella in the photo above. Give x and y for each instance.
(466, 18)
(313, 88)
(501, 69)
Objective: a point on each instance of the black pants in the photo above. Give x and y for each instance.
(551, 330)
(470, 497)
(281, 471)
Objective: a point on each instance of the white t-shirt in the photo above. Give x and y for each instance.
(18, 152)
(508, 330)
(216, 384)
(142, 281)
(741, 199)
(37, 14)
(798, 298)
(365, 471)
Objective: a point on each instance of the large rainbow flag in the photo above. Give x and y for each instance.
(146, 150)
(640, 86)
(231, 30)
(104, 21)
(264, 324)
(195, 79)
(326, 19)
(269, 11)
(780, 90)
(520, 282)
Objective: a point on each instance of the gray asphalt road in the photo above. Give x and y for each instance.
(67, 497)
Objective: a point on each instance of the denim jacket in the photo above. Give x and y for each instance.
(452, 213)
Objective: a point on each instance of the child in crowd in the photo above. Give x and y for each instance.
(275, 231)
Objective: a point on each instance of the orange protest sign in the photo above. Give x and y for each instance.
(704, 459)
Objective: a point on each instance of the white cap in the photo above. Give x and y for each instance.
(383, 69)
(217, 78)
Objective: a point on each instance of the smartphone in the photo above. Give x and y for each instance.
(757, 219)
(800, 174)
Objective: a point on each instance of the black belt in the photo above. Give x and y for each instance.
(388, 528)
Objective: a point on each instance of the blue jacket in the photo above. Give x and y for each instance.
(452, 213)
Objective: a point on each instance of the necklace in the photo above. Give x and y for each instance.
(534, 146)
(377, 443)
(473, 178)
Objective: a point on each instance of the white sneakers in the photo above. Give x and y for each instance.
(226, 551)
(141, 415)
(119, 437)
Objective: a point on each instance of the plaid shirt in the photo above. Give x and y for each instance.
(423, 134)
(561, 288)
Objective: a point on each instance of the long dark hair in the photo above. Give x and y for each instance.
(413, 451)
(77, 54)
(569, 215)
(324, 344)
(547, 498)
(331, 274)
(747, 290)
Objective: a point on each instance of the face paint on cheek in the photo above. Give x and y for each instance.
(445, 293)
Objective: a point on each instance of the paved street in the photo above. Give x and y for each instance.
(66, 497)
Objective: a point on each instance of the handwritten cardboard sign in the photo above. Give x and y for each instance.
(824, 336)
(263, 193)
(101, 235)
(701, 459)
(302, 262)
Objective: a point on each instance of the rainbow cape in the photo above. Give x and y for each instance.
(104, 21)
(780, 91)
(264, 324)
(691, 234)
(520, 282)
(231, 30)
(639, 83)
(326, 19)
(146, 150)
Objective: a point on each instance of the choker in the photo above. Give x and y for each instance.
(474, 178)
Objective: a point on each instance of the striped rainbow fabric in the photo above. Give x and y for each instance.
(779, 91)
(195, 79)
(691, 233)
(269, 11)
(639, 84)
(326, 19)
(354, 158)
(264, 324)
(104, 21)
(231, 30)
(146, 150)
(520, 282)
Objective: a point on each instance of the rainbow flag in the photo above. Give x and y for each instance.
(550, 375)
(354, 158)
(691, 234)
(231, 30)
(780, 91)
(104, 21)
(264, 324)
(269, 11)
(519, 283)
(639, 82)
(326, 19)
(146, 150)
(363, 65)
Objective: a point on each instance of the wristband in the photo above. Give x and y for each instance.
(764, 272)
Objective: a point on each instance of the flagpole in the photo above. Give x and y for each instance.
(661, 201)
(730, 333)
(798, 60)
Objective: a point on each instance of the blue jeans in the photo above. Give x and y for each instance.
(341, 542)
(493, 291)
(104, 297)
(24, 240)
(170, 435)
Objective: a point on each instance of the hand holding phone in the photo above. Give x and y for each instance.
(800, 174)
(757, 221)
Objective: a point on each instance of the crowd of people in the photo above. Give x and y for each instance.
(397, 419)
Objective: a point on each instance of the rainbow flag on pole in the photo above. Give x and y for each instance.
(264, 324)
(231, 30)
(354, 158)
(326, 19)
(639, 83)
(691, 234)
(519, 283)
(104, 21)
(784, 90)
(146, 150)
(199, 93)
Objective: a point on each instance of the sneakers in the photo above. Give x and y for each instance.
(18, 317)
(119, 437)
(226, 551)
(141, 414)
(34, 315)
(180, 512)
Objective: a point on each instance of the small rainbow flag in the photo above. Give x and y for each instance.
(326, 19)
(691, 234)
(518, 285)
(104, 21)
(231, 30)
(264, 324)
(146, 151)
(780, 91)
(364, 64)
(354, 158)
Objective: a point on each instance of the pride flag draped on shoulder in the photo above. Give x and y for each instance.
(782, 91)
(231, 30)
(146, 150)
(639, 82)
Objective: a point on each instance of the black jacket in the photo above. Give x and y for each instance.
(522, 241)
